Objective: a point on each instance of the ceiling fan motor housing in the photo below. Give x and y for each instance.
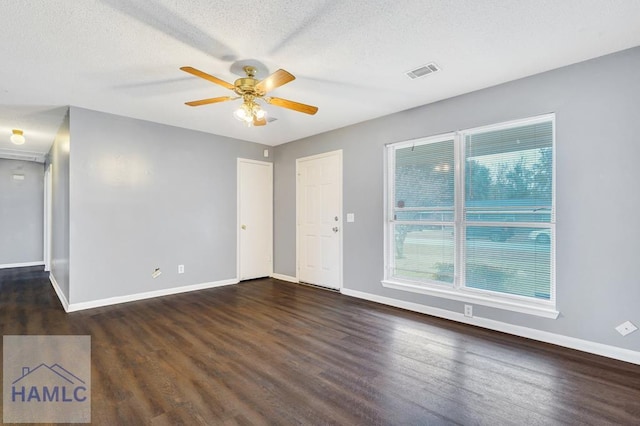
(247, 86)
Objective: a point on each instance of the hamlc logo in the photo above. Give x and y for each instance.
(46, 383)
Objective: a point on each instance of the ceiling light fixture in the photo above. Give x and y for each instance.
(17, 137)
(251, 89)
(250, 113)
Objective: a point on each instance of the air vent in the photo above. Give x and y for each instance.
(423, 70)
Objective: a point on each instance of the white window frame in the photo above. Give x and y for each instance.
(459, 292)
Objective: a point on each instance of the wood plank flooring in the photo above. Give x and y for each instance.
(270, 352)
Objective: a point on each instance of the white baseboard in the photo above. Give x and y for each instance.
(73, 307)
(285, 278)
(22, 264)
(530, 333)
(58, 290)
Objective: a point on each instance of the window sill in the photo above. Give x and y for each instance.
(509, 305)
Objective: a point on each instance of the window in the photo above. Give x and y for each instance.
(470, 216)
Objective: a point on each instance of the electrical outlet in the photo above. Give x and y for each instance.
(181, 269)
(156, 273)
(626, 328)
(468, 311)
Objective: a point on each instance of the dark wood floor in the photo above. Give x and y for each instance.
(270, 352)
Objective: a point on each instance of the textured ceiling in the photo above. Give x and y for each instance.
(349, 57)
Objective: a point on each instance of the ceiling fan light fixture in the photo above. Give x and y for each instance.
(248, 112)
(258, 112)
(241, 113)
(17, 137)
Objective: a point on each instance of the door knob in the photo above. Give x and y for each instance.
(244, 227)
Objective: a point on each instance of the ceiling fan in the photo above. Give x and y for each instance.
(250, 89)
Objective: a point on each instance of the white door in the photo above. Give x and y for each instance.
(255, 223)
(319, 219)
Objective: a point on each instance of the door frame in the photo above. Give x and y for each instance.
(238, 212)
(337, 153)
(47, 217)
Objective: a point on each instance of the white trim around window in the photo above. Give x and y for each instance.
(441, 227)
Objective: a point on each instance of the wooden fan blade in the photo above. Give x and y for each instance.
(259, 122)
(296, 106)
(208, 77)
(209, 101)
(277, 79)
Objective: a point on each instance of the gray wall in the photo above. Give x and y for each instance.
(21, 212)
(598, 237)
(59, 159)
(146, 195)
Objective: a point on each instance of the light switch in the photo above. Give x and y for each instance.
(351, 217)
